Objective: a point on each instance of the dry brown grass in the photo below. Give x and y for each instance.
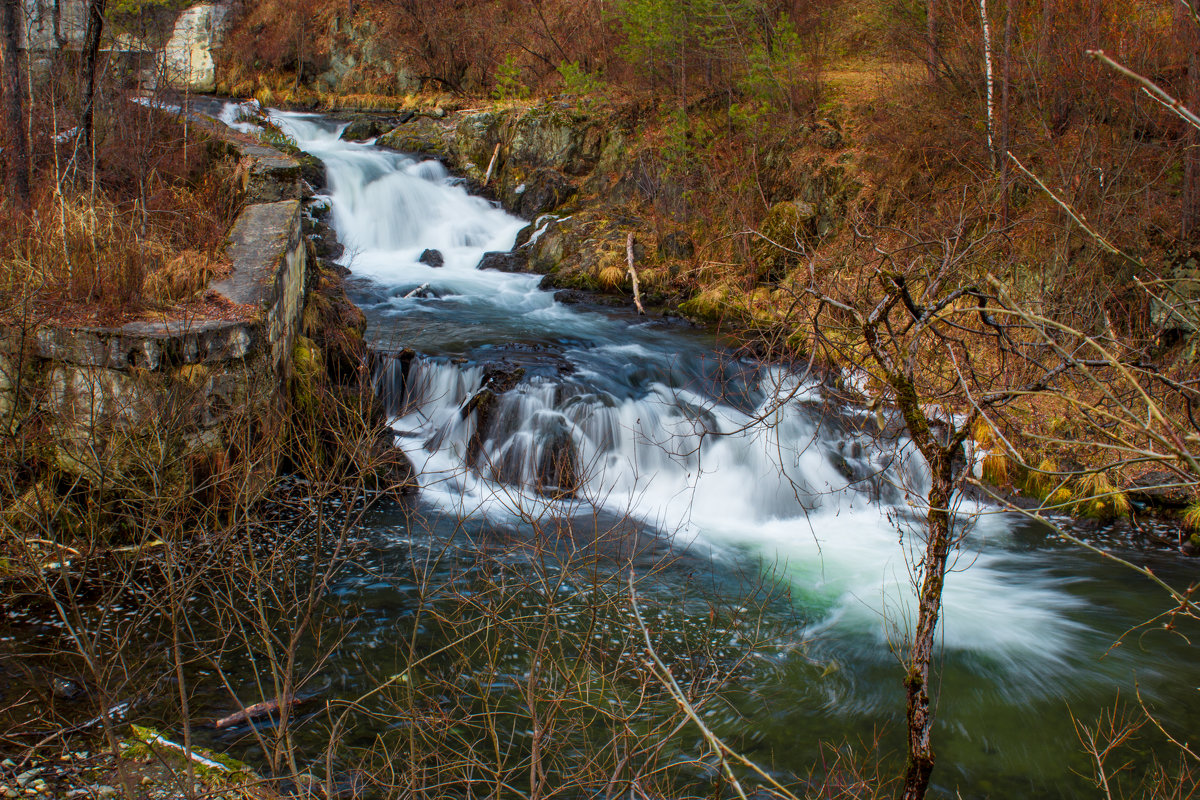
(146, 236)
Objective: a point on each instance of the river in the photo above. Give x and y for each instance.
(763, 488)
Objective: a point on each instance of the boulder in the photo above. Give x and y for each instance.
(432, 258)
(788, 230)
(421, 136)
(364, 128)
(515, 261)
(544, 190)
(187, 58)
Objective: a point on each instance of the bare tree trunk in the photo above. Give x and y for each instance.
(987, 70)
(17, 157)
(1190, 39)
(91, 49)
(918, 714)
(1005, 113)
(931, 46)
(56, 18)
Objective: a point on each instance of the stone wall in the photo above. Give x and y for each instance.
(183, 384)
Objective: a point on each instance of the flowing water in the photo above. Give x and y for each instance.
(763, 478)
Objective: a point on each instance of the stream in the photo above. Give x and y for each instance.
(772, 528)
(752, 474)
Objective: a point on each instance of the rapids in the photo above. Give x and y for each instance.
(741, 464)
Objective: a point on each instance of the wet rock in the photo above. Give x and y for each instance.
(364, 128)
(544, 190)
(66, 689)
(432, 258)
(312, 170)
(570, 297)
(498, 378)
(558, 465)
(391, 470)
(421, 136)
(516, 261)
(1155, 489)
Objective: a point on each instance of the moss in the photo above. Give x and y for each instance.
(194, 375)
(1191, 518)
(1097, 497)
(787, 230)
(711, 304)
(143, 744)
(308, 373)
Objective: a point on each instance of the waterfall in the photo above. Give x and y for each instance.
(516, 405)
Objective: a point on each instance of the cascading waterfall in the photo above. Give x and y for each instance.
(643, 420)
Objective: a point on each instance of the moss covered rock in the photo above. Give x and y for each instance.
(786, 233)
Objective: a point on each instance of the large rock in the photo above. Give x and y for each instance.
(421, 136)
(786, 233)
(515, 261)
(360, 59)
(53, 24)
(365, 128)
(544, 190)
(1177, 309)
(187, 59)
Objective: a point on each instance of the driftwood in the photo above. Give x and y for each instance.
(257, 710)
(491, 164)
(637, 291)
(416, 291)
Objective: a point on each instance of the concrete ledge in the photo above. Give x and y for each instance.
(188, 374)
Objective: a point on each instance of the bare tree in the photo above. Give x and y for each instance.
(87, 81)
(14, 102)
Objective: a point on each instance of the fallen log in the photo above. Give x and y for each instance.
(257, 711)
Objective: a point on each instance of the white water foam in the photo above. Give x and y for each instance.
(833, 509)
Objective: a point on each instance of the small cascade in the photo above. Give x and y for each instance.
(514, 405)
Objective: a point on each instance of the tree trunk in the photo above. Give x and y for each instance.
(987, 71)
(1005, 113)
(91, 49)
(931, 46)
(17, 157)
(1190, 224)
(937, 547)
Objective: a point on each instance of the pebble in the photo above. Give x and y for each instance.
(8, 762)
(8, 791)
(105, 791)
(27, 776)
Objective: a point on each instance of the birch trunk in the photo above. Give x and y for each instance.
(987, 69)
